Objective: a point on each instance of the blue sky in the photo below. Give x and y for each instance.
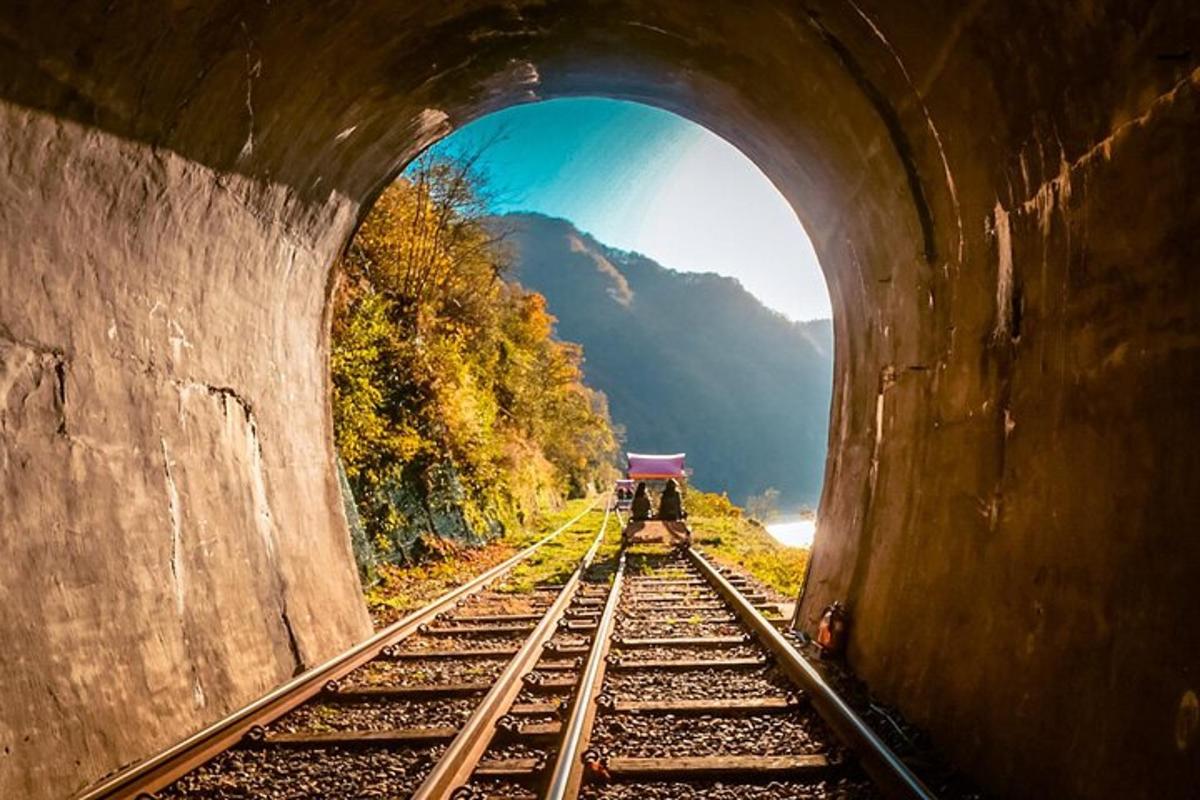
(638, 178)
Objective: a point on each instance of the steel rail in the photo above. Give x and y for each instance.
(567, 777)
(884, 767)
(159, 771)
(457, 764)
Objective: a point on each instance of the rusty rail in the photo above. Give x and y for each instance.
(157, 772)
(567, 776)
(457, 764)
(890, 774)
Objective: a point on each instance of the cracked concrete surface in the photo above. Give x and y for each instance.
(176, 548)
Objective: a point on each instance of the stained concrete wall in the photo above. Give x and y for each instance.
(1003, 202)
(1018, 558)
(173, 544)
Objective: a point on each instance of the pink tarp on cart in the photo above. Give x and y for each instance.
(643, 466)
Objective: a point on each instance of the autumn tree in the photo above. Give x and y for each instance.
(453, 404)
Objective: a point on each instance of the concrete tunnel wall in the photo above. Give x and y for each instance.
(1004, 200)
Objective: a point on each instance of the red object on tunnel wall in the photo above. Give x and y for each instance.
(831, 632)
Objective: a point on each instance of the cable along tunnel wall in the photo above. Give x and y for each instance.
(1003, 203)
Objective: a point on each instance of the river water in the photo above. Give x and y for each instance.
(794, 531)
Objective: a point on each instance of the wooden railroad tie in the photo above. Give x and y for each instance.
(508, 767)
(626, 643)
(536, 730)
(533, 709)
(705, 605)
(475, 630)
(682, 580)
(722, 706)
(694, 597)
(681, 617)
(397, 736)
(624, 665)
(568, 650)
(550, 684)
(580, 625)
(484, 618)
(417, 692)
(419, 655)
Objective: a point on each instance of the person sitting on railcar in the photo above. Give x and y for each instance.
(670, 506)
(640, 510)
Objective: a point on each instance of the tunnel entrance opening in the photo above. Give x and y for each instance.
(563, 204)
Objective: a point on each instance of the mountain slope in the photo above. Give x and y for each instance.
(690, 362)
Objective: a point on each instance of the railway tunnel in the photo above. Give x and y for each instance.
(1003, 197)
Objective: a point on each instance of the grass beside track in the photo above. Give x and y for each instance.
(402, 588)
(720, 530)
(556, 560)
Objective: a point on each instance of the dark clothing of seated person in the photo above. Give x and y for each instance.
(670, 507)
(640, 510)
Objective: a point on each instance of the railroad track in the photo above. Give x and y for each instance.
(646, 673)
(372, 720)
(689, 690)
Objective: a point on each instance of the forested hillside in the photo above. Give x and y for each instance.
(689, 362)
(456, 412)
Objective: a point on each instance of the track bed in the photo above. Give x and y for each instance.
(644, 673)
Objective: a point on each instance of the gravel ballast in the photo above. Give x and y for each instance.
(794, 733)
(678, 653)
(327, 772)
(419, 642)
(376, 715)
(636, 628)
(696, 684)
(420, 673)
(845, 789)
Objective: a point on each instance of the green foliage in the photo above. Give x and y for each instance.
(402, 587)
(557, 560)
(456, 413)
(723, 532)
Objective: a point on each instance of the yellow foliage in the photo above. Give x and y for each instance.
(443, 373)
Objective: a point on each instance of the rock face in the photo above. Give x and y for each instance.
(1004, 199)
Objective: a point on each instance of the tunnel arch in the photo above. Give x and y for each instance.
(180, 178)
